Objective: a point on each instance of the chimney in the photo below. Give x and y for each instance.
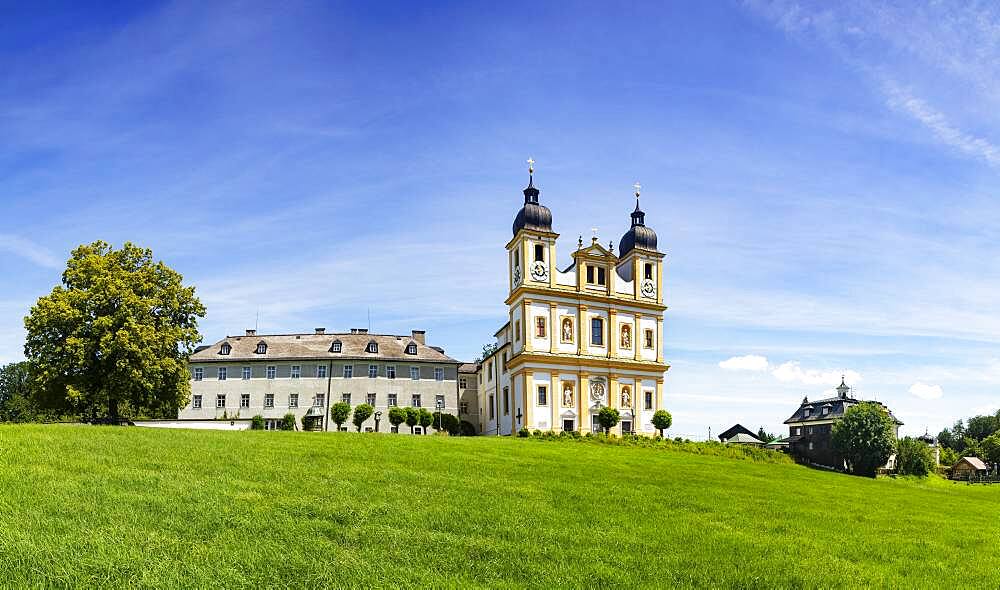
(251, 332)
(420, 336)
(359, 330)
(321, 330)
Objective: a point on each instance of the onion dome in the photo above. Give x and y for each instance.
(532, 215)
(638, 236)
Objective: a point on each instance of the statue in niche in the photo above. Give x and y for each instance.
(567, 330)
(626, 397)
(568, 395)
(597, 389)
(627, 336)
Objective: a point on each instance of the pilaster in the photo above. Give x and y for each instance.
(583, 403)
(636, 334)
(555, 330)
(528, 398)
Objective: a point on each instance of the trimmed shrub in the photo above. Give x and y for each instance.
(288, 422)
(523, 433)
(257, 422)
(362, 413)
(397, 416)
(340, 412)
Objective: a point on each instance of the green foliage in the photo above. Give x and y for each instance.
(467, 428)
(445, 422)
(397, 416)
(17, 402)
(488, 350)
(114, 338)
(523, 433)
(608, 418)
(765, 436)
(257, 422)
(425, 418)
(288, 421)
(991, 448)
(362, 413)
(981, 427)
(662, 420)
(949, 456)
(971, 447)
(914, 457)
(412, 418)
(864, 437)
(340, 412)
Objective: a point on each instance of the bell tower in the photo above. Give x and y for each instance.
(532, 251)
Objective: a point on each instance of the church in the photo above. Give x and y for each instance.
(579, 338)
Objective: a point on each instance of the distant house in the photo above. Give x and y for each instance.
(742, 438)
(810, 428)
(967, 467)
(725, 435)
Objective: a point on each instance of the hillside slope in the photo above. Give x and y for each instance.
(85, 506)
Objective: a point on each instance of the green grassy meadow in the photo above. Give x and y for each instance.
(129, 507)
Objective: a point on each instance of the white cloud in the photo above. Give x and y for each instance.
(925, 391)
(28, 250)
(791, 371)
(750, 362)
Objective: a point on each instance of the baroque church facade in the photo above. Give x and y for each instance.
(579, 338)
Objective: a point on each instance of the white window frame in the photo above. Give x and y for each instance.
(272, 371)
(293, 400)
(416, 401)
(295, 372)
(390, 371)
(372, 371)
(244, 400)
(319, 400)
(463, 383)
(196, 402)
(336, 347)
(439, 374)
(411, 349)
(223, 373)
(393, 400)
(345, 398)
(463, 407)
(247, 373)
(199, 373)
(220, 400)
(542, 395)
(268, 400)
(348, 372)
(415, 373)
(321, 371)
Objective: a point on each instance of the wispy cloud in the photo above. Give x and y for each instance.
(925, 391)
(789, 371)
(750, 362)
(28, 250)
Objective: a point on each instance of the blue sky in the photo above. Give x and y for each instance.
(822, 178)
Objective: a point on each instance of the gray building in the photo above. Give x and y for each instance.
(304, 374)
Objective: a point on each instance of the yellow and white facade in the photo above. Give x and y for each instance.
(577, 339)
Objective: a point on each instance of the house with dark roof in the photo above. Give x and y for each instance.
(810, 427)
(729, 433)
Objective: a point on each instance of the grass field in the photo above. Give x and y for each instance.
(93, 506)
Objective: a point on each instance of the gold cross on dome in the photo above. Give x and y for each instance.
(531, 166)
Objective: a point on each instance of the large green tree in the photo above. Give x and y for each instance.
(990, 448)
(16, 402)
(865, 438)
(914, 457)
(113, 339)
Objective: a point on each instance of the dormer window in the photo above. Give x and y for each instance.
(808, 412)
(411, 348)
(826, 410)
(225, 348)
(336, 346)
(372, 347)
(261, 348)
(596, 275)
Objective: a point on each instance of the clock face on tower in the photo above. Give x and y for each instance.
(648, 288)
(539, 271)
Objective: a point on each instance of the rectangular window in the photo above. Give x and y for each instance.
(196, 402)
(543, 395)
(390, 371)
(597, 331)
(321, 371)
(648, 273)
(372, 371)
(345, 397)
(503, 363)
(415, 400)
(392, 400)
(506, 402)
(320, 400)
(296, 371)
(371, 399)
(601, 278)
(492, 407)
(245, 400)
(649, 338)
(293, 400)
(462, 383)
(489, 369)
(246, 373)
(626, 427)
(648, 400)
(439, 374)
(415, 373)
(540, 327)
(348, 371)
(568, 426)
(268, 400)
(517, 331)
(199, 374)
(463, 407)
(272, 371)
(222, 373)
(590, 274)
(539, 252)
(439, 402)
(220, 401)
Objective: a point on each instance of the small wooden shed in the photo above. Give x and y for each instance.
(968, 466)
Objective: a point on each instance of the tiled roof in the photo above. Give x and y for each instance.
(318, 346)
(837, 405)
(727, 434)
(744, 438)
(468, 367)
(976, 463)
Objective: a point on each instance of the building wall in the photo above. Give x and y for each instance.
(308, 387)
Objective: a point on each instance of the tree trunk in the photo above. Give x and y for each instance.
(113, 411)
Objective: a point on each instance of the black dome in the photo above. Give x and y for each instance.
(533, 215)
(638, 236)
